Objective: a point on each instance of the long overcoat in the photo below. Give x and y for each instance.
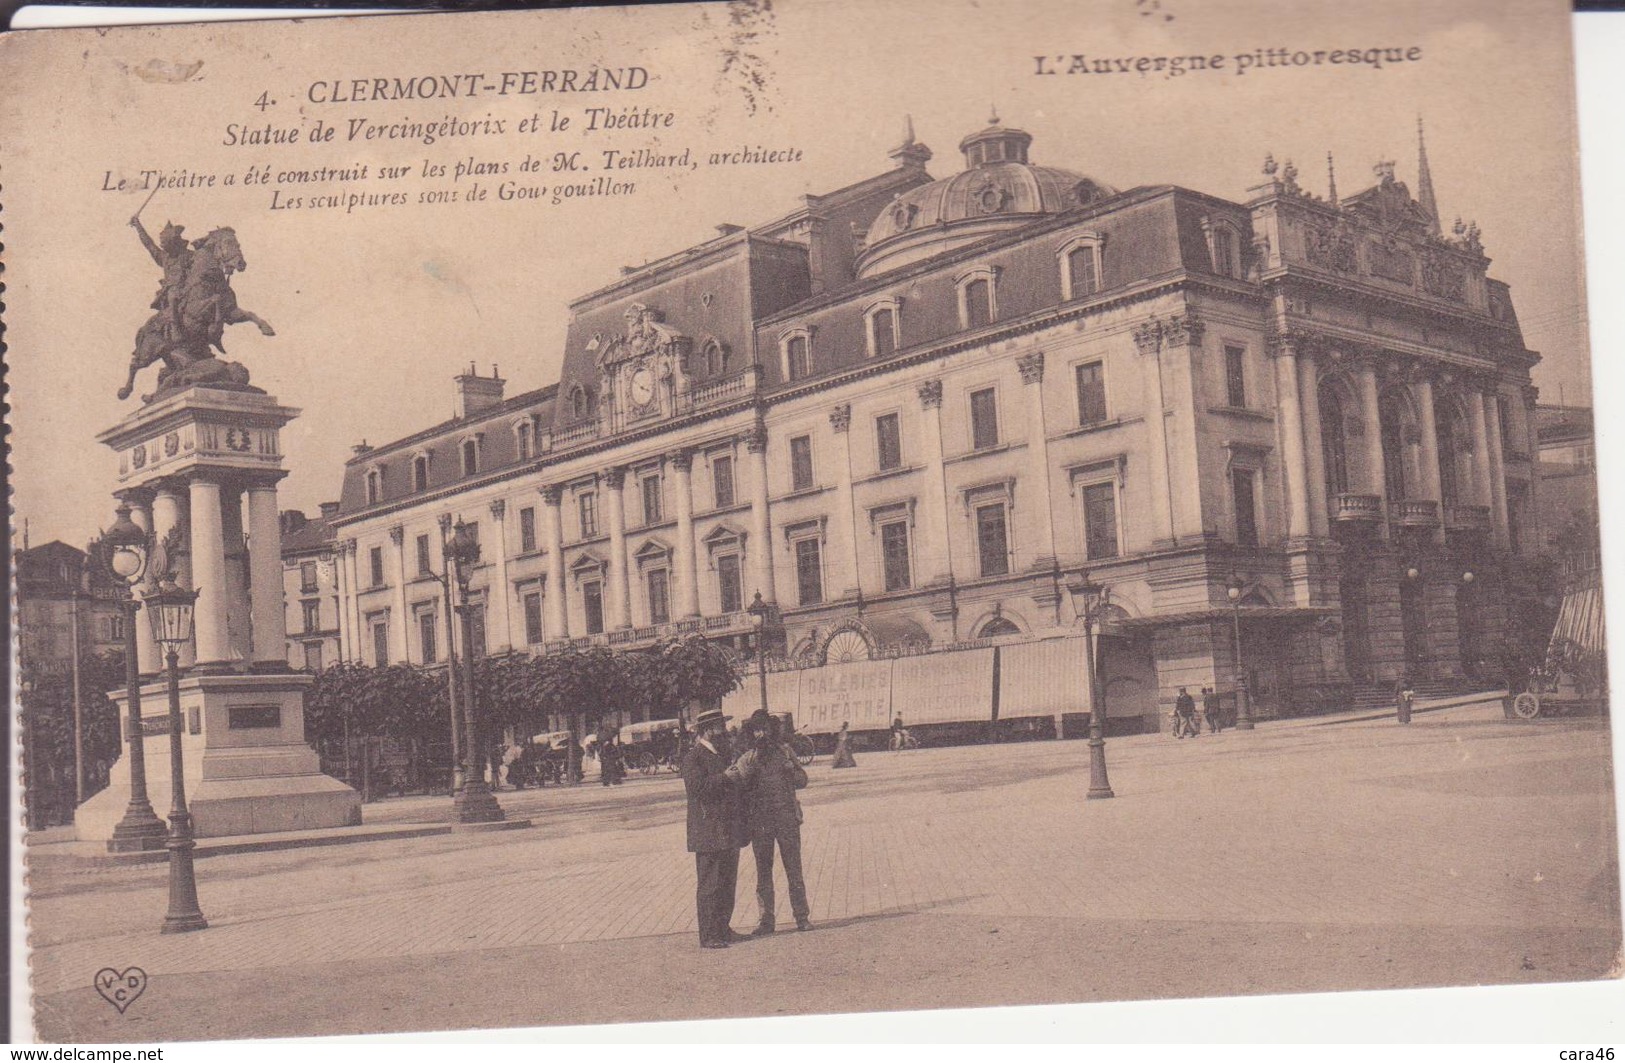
(716, 816)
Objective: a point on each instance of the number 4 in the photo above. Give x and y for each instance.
(264, 101)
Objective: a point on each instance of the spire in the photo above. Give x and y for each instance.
(993, 114)
(1424, 181)
(910, 154)
(1331, 180)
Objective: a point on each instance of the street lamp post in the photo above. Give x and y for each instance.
(126, 551)
(474, 803)
(1088, 596)
(1244, 709)
(79, 573)
(451, 658)
(170, 610)
(758, 615)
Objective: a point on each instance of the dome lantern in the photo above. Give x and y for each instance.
(994, 144)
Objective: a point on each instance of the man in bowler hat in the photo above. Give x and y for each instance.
(716, 828)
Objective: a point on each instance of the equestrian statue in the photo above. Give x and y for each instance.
(193, 306)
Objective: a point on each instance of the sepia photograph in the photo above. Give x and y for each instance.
(772, 508)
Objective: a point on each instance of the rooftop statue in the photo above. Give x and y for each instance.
(193, 306)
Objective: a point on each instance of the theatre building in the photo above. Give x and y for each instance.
(910, 411)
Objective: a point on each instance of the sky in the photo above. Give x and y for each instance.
(376, 310)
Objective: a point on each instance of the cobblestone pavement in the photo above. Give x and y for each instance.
(1461, 849)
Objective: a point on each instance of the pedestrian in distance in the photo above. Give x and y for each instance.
(716, 828)
(770, 776)
(897, 733)
(1211, 709)
(843, 748)
(1185, 713)
(1404, 697)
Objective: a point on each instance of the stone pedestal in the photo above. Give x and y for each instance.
(208, 460)
(248, 768)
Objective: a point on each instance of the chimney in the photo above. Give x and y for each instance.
(329, 509)
(292, 520)
(361, 448)
(728, 229)
(476, 393)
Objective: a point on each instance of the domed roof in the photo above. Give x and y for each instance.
(999, 189)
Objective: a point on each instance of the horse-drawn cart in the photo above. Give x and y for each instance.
(654, 745)
(1574, 676)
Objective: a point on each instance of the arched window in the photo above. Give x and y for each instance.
(716, 359)
(978, 296)
(1334, 448)
(1085, 278)
(578, 402)
(1393, 412)
(996, 627)
(375, 486)
(882, 332)
(1224, 252)
(796, 349)
(521, 433)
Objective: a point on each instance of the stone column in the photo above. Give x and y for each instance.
(499, 631)
(840, 421)
(1309, 402)
(341, 578)
(1032, 379)
(358, 637)
(1498, 475)
(558, 623)
(760, 524)
(400, 639)
(1432, 482)
(1371, 411)
(269, 617)
(1148, 338)
(1292, 457)
(620, 595)
(239, 619)
(147, 653)
(935, 555)
(1483, 493)
(686, 570)
(209, 576)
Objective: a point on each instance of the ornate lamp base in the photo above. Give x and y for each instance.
(475, 803)
(139, 831)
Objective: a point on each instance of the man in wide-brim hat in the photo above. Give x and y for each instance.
(716, 828)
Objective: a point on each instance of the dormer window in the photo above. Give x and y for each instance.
(883, 327)
(522, 443)
(1224, 247)
(471, 456)
(580, 402)
(978, 297)
(420, 472)
(716, 359)
(375, 486)
(795, 349)
(1081, 266)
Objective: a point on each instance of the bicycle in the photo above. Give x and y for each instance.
(904, 739)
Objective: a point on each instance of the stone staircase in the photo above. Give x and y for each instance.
(1379, 697)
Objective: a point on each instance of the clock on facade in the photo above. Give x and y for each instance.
(643, 387)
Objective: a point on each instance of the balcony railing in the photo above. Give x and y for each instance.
(1357, 507)
(736, 623)
(1415, 512)
(701, 396)
(1467, 518)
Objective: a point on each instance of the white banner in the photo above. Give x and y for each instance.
(1042, 678)
(858, 694)
(943, 687)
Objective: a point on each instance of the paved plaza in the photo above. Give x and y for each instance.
(1464, 849)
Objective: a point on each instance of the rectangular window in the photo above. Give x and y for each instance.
(527, 530)
(1100, 521)
(313, 615)
(1241, 493)
(426, 639)
(423, 556)
(587, 508)
(809, 572)
(659, 597)
(533, 618)
(1235, 376)
(888, 442)
(375, 560)
(420, 473)
(797, 362)
(801, 467)
(730, 589)
(722, 480)
(1091, 379)
(978, 303)
(984, 419)
(650, 486)
(992, 541)
(1224, 256)
(894, 554)
(592, 604)
(883, 335)
(380, 643)
(313, 656)
(1085, 278)
(471, 457)
(307, 576)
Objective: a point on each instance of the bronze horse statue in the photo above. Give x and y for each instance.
(193, 306)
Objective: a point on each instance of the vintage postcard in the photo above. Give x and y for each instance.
(808, 507)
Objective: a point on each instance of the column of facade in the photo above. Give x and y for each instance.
(620, 604)
(499, 612)
(353, 578)
(209, 575)
(399, 637)
(1483, 492)
(1371, 414)
(149, 658)
(341, 579)
(840, 420)
(268, 619)
(934, 552)
(1148, 339)
(1309, 402)
(760, 525)
(558, 622)
(688, 583)
(1432, 481)
(1498, 474)
(1292, 456)
(1038, 471)
(239, 619)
